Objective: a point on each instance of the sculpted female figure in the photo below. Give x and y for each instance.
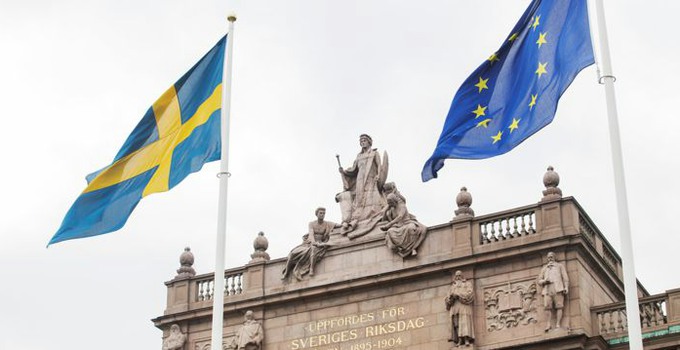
(364, 180)
(303, 258)
(404, 233)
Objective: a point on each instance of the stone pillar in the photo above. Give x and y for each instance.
(549, 219)
(463, 232)
(673, 306)
(179, 288)
(253, 277)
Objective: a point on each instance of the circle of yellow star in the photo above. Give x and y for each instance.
(497, 137)
(514, 125)
(480, 111)
(482, 84)
(541, 39)
(541, 69)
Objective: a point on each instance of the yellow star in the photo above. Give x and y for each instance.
(533, 101)
(493, 58)
(536, 22)
(484, 123)
(541, 39)
(513, 37)
(480, 111)
(514, 125)
(482, 84)
(541, 69)
(497, 137)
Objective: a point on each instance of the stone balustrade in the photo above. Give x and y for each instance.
(511, 225)
(592, 234)
(659, 315)
(464, 238)
(205, 287)
(503, 253)
(194, 292)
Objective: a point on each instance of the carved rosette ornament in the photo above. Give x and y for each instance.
(186, 261)
(464, 201)
(260, 244)
(510, 306)
(551, 180)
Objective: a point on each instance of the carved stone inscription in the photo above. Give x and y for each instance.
(386, 328)
(510, 305)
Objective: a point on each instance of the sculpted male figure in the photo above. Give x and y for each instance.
(555, 282)
(174, 341)
(364, 180)
(249, 336)
(459, 303)
(303, 258)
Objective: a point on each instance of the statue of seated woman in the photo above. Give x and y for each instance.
(403, 232)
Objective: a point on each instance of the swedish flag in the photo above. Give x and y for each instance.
(514, 93)
(177, 135)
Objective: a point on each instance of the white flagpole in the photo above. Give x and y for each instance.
(629, 280)
(218, 292)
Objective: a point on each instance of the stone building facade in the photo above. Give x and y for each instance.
(363, 296)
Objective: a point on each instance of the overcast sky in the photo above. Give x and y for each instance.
(309, 78)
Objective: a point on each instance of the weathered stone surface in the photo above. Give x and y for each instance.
(363, 296)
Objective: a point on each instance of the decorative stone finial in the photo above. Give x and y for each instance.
(464, 201)
(551, 180)
(260, 244)
(186, 260)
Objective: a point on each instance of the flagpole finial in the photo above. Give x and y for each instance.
(232, 17)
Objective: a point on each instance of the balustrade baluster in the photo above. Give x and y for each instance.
(515, 233)
(239, 284)
(496, 231)
(611, 328)
(200, 291)
(206, 290)
(531, 224)
(523, 227)
(619, 321)
(232, 291)
(644, 316)
(660, 319)
(624, 320)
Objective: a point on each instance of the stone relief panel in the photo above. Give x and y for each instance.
(205, 343)
(510, 305)
(176, 339)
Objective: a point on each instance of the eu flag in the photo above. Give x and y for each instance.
(177, 135)
(514, 93)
